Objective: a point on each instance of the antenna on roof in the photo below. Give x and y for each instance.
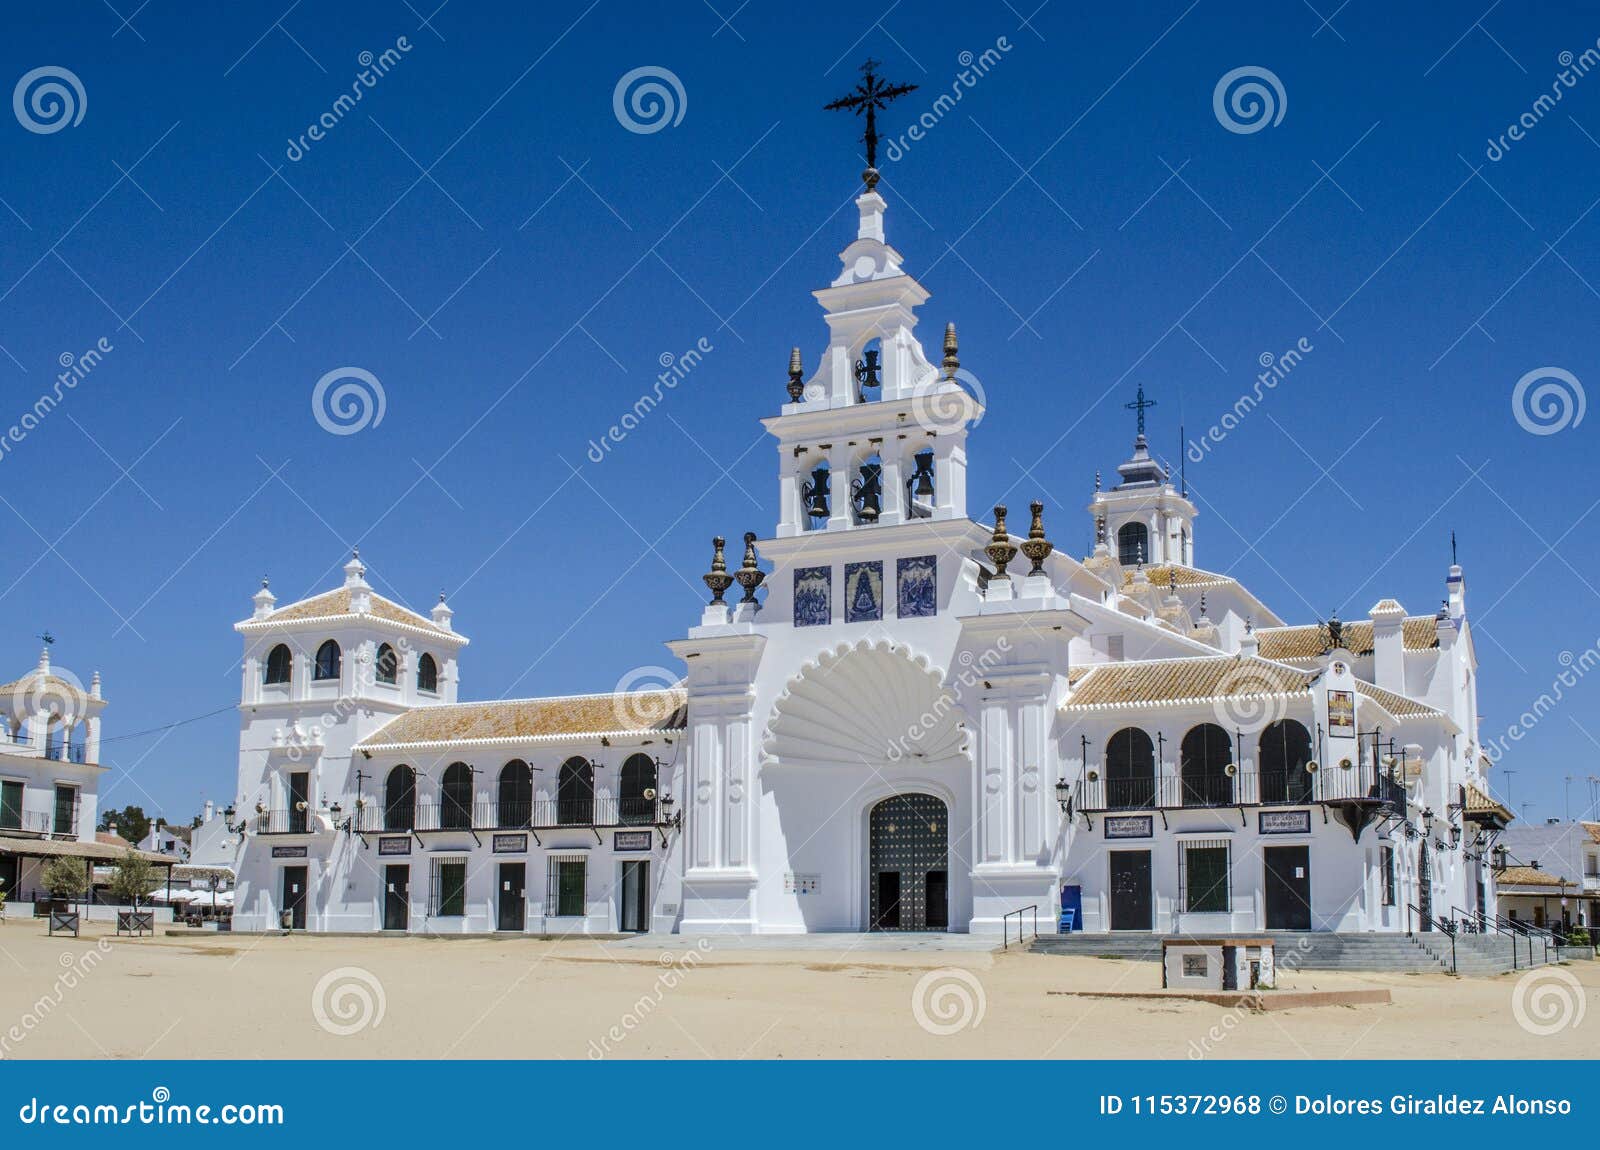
(1183, 465)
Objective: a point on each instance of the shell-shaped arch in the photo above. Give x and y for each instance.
(868, 703)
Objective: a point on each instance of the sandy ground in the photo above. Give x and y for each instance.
(243, 996)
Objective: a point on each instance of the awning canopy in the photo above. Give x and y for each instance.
(71, 848)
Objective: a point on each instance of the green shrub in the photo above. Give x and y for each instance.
(134, 878)
(65, 878)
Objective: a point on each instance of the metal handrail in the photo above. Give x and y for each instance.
(1429, 922)
(1005, 924)
(1482, 923)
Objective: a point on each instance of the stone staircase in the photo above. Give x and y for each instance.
(1389, 953)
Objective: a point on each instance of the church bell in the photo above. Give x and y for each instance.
(922, 480)
(816, 494)
(868, 492)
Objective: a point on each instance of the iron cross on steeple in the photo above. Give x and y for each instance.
(870, 96)
(1139, 405)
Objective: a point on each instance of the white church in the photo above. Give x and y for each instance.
(892, 716)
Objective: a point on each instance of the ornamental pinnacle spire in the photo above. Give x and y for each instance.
(952, 356)
(797, 373)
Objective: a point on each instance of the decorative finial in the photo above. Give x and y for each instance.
(870, 96)
(1172, 580)
(797, 387)
(718, 578)
(1249, 624)
(265, 582)
(1036, 547)
(355, 553)
(1335, 631)
(749, 575)
(952, 355)
(1099, 529)
(1138, 555)
(1202, 604)
(1453, 561)
(441, 596)
(1097, 481)
(1001, 550)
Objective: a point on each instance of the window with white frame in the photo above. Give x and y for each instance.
(1203, 866)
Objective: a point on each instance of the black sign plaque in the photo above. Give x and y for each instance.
(397, 845)
(631, 841)
(510, 844)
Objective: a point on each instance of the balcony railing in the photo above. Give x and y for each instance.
(26, 822)
(1242, 789)
(284, 822)
(541, 814)
(65, 752)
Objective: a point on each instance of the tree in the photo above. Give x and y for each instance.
(65, 878)
(134, 878)
(132, 823)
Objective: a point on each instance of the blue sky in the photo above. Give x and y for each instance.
(484, 236)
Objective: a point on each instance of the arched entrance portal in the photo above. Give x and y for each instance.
(909, 864)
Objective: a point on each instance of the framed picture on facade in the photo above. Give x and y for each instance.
(813, 596)
(863, 592)
(917, 593)
(1342, 714)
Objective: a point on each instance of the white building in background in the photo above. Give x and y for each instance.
(908, 720)
(166, 839)
(50, 774)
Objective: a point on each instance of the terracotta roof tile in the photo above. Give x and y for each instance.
(1527, 876)
(1170, 681)
(337, 602)
(1479, 802)
(1163, 573)
(514, 720)
(1400, 706)
(1418, 633)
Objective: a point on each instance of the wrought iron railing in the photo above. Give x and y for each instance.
(1298, 787)
(516, 814)
(25, 822)
(65, 752)
(292, 821)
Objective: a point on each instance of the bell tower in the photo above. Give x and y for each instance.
(877, 435)
(1144, 518)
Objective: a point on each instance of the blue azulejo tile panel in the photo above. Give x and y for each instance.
(863, 592)
(918, 586)
(813, 596)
